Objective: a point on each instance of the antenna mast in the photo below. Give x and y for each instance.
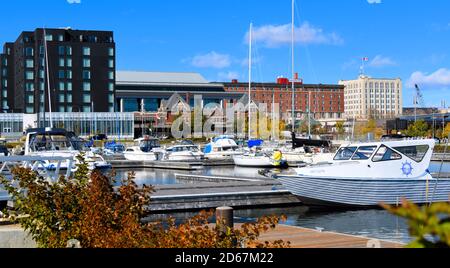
(250, 82)
(293, 62)
(48, 80)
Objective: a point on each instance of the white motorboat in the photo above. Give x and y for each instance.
(183, 152)
(52, 142)
(260, 160)
(367, 174)
(96, 162)
(145, 149)
(222, 148)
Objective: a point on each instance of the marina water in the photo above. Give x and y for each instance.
(373, 223)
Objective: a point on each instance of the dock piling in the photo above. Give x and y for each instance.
(224, 219)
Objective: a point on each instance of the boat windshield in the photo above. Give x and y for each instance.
(40, 143)
(416, 153)
(364, 152)
(345, 153)
(148, 145)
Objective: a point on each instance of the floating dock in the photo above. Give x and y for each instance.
(210, 192)
(309, 238)
(441, 157)
(173, 165)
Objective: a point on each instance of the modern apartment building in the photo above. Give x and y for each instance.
(376, 98)
(81, 66)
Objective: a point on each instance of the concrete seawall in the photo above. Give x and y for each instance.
(13, 236)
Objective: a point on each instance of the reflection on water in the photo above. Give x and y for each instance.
(374, 223)
(370, 223)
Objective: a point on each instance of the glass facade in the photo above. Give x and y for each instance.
(114, 125)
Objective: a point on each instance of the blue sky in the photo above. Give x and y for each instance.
(409, 39)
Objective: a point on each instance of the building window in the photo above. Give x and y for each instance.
(61, 74)
(86, 63)
(111, 87)
(62, 86)
(30, 99)
(61, 50)
(87, 86)
(111, 75)
(29, 63)
(86, 51)
(5, 94)
(29, 75)
(60, 38)
(69, 98)
(5, 83)
(48, 37)
(69, 109)
(69, 74)
(69, 50)
(41, 74)
(111, 63)
(69, 62)
(86, 109)
(111, 98)
(62, 98)
(62, 109)
(86, 74)
(41, 86)
(111, 51)
(29, 110)
(86, 98)
(69, 86)
(62, 62)
(29, 87)
(29, 52)
(42, 62)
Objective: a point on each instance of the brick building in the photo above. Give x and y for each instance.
(325, 102)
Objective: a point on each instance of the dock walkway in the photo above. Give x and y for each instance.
(13, 236)
(309, 238)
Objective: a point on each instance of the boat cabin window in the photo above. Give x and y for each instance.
(345, 153)
(364, 152)
(385, 153)
(416, 153)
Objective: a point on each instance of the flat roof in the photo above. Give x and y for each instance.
(160, 78)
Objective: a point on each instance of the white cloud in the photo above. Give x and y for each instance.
(276, 35)
(440, 77)
(74, 1)
(211, 60)
(381, 61)
(228, 76)
(374, 1)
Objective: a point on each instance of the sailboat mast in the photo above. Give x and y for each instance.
(250, 82)
(48, 80)
(293, 63)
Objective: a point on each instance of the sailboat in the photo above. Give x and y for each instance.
(256, 157)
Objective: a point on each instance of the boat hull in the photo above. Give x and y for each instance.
(356, 192)
(134, 156)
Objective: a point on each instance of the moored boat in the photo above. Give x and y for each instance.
(222, 148)
(183, 152)
(367, 174)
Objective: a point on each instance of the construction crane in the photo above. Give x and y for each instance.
(418, 100)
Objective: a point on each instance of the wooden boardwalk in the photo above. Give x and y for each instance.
(308, 238)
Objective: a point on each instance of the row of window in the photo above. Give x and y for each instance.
(64, 50)
(63, 74)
